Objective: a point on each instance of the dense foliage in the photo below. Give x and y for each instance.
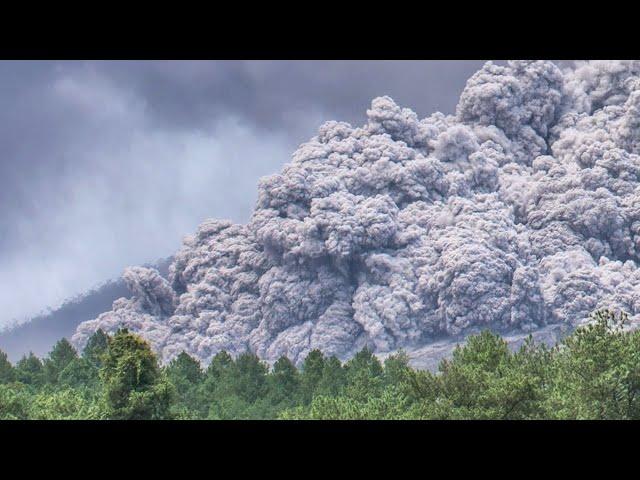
(592, 374)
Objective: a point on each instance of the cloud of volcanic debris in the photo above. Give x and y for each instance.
(520, 211)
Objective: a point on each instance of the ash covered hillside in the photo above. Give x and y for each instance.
(519, 212)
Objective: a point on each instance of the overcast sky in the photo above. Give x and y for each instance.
(108, 164)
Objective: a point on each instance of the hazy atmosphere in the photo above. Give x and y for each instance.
(109, 164)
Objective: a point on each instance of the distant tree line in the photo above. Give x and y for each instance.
(592, 374)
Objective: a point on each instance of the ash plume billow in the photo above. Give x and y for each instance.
(519, 212)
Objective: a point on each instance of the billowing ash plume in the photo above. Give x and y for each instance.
(521, 210)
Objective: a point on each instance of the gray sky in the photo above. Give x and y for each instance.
(107, 164)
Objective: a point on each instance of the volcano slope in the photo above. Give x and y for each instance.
(520, 213)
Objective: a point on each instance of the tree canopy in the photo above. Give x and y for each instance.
(594, 373)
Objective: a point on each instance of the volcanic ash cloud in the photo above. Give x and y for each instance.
(520, 211)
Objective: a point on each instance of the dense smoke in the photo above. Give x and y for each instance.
(520, 211)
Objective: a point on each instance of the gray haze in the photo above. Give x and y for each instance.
(108, 164)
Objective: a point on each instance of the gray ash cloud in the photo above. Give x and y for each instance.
(520, 211)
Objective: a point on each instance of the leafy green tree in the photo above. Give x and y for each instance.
(390, 405)
(59, 358)
(133, 385)
(96, 347)
(228, 407)
(7, 372)
(312, 369)
(66, 404)
(14, 401)
(30, 371)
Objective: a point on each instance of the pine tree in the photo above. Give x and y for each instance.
(80, 373)
(96, 347)
(220, 363)
(184, 368)
(7, 372)
(284, 383)
(334, 378)
(29, 370)
(216, 385)
(396, 368)
(60, 357)
(364, 375)
(249, 377)
(312, 369)
(185, 375)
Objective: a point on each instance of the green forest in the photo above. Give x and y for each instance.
(594, 373)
